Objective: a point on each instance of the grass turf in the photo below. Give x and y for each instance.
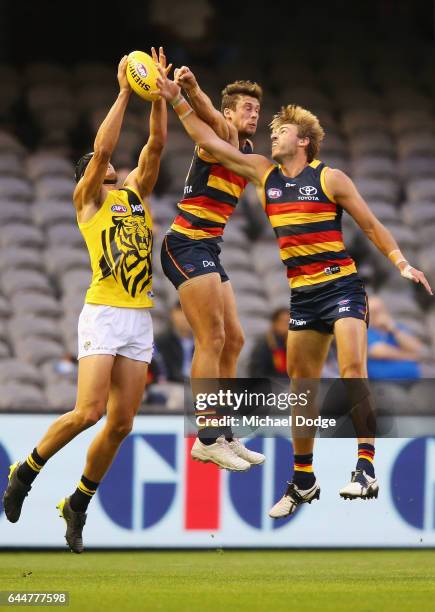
(218, 580)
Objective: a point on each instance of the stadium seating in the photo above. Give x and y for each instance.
(380, 128)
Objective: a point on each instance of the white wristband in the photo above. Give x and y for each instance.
(406, 272)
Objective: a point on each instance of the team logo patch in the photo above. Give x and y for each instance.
(343, 302)
(87, 345)
(119, 208)
(142, 71)
(308, 190)
(331, 270)
(189, 268)
(274, 193)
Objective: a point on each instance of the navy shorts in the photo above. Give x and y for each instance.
(183, 258)
(318, 309)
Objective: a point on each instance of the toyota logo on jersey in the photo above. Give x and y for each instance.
(308, 190)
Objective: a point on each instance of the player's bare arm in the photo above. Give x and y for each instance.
(201, 103)
(344, 192)
(144, 177)
(87, 193)
(251, 166)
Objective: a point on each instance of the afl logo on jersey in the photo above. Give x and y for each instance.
(308, 190)
(142, 71)
(118, 208)
(274, 193)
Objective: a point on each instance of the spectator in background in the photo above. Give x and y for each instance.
(268, 357)
(393, 351)
(175, 347)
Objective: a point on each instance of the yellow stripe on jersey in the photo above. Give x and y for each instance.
(300, 218)
(315, 163)
(191, 233)
(320, 277)
(203, 213)
(310, 249)
(219, 183)
(322, 183)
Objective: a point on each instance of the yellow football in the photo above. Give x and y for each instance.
(142, 74)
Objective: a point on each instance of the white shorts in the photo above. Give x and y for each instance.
(109, 330)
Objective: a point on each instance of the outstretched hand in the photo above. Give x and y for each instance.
(185, 78)
(124, 85)
(415, 275)
(160, 60)
(166, 88)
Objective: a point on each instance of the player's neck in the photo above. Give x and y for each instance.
(294, 166)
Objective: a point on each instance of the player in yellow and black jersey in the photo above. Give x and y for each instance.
(190, 255)
(115, 328)
(304, 200)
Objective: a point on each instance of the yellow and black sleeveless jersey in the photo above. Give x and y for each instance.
(307, 225)
(119, 240)
(211, 193)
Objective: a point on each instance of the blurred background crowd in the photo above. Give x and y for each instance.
(367, 72)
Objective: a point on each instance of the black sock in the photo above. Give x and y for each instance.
(366, 455)
(86, 489)
(209, 435)
(228, 433)
(28, 471)
(303, 475)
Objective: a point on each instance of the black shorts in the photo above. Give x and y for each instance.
(183, 258)
(318, 309)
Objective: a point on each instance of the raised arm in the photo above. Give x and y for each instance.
(344, 192)
(252, 167)
(144, 177)
(201, 103)
(89, 186)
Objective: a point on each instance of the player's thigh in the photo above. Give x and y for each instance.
(233, 328)
(307, 351)
(203, 304)
(93, 383)
(126, 389)
(351, 340)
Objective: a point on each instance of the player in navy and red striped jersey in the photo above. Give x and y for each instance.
(304, 200)
(190, 255)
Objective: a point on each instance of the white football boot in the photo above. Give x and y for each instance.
(219, 453)
(292, 498)
(251, 457)
(361, 486)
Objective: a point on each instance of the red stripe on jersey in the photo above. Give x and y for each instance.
(300, 207)
(318, 266)
(216, 231)
(210, 204)
(227, 175)
(201, 503)
(313, 238)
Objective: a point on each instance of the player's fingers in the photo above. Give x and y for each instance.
(162, 56)
(154, 55)
(424, 282)
(168, 69)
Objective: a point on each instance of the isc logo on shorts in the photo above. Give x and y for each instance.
(344, 309)
(332, 270)
(208, 264)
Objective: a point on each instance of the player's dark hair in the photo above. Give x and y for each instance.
(81, 165)
(233, 91)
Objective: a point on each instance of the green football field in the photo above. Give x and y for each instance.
(229, 580)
